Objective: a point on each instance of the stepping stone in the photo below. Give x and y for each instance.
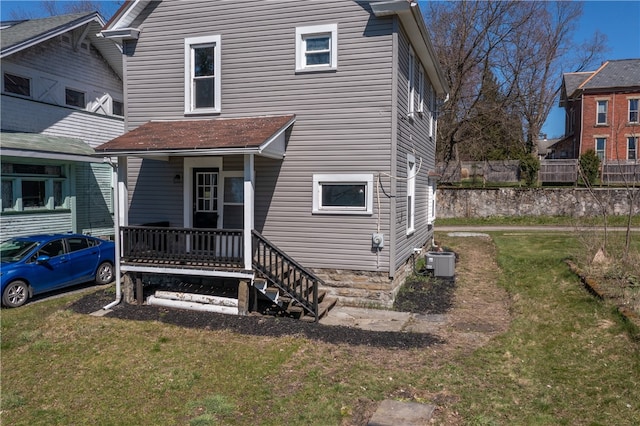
(396, 413)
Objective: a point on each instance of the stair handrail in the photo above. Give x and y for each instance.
(315, 280)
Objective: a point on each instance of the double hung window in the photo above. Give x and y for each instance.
(317, 48)
(633, 110)
(632, 148)
(601, 144)
(601, 116)
(202, 74)
(411, 84)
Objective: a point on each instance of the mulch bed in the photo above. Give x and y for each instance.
(256, 325)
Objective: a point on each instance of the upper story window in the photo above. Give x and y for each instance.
(420, 89)
(202, 74)
(74, 98)
(317, 48)
(601, 114)
(633, 110)
(411, 84)
(571, 120)
(17, 85)
(117, 108)
(632, 148)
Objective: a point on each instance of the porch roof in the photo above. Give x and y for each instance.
(262, 135)
(35, 145)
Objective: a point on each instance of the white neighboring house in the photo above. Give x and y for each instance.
(61, 97)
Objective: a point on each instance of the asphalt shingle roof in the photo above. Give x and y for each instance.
(32, 28)
(219, 133)
(45, 143)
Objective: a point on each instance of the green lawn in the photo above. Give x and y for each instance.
(567, 358)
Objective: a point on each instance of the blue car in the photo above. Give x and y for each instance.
(41, 263)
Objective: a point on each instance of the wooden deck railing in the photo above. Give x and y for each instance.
(206, 247)
(285, 273)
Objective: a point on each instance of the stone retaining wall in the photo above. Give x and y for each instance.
(573, 202)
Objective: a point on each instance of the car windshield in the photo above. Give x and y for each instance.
(14, 250)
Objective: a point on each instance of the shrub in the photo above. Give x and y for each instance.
(529, 166)
(589, 166)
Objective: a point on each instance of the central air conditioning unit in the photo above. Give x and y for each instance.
(442, 264)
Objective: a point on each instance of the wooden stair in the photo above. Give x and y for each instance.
(291, 307)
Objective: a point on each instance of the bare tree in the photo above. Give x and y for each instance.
(53, 8)
(527, 45)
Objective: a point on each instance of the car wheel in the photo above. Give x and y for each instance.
(104, 274)
(15, 294)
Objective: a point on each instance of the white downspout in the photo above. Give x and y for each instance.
(120, 217)
(249, 188)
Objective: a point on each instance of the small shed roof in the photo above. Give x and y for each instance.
(35, 145)
(259, 135)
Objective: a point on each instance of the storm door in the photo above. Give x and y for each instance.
(205, 198)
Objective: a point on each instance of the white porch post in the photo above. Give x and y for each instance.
(122, 193)
(249, 187)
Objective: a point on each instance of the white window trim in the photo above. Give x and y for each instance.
(411, 191)
(637, 111)
(431, 199)
(411, 84)
(189, 44)
(359, 178)
(302, 32)
(606, 112)
(421, 87)
(637, 139)
(604, 148)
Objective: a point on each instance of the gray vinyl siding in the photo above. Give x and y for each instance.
(413, 138)
(343, 118)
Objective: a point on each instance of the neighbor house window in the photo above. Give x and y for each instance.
(601, 144)
(202, 74)
(632, 148)
(74, 98)
(8, 199)
(602, 112)
(33, 187)
(633, 110)
(343, 193)
(17, 85)
(411, 84)
(118, 108)
(411, 193)
(317, 48)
